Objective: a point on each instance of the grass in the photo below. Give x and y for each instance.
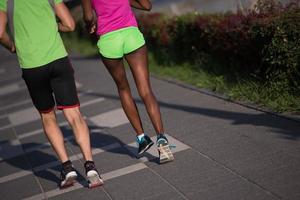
(274, 96)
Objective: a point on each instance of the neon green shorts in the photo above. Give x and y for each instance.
(117, 43)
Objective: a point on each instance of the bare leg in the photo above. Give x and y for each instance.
(80, 130)
(138, 61)
(54, 135)
(117, 71)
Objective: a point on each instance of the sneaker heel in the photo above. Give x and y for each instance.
(69, 181)
(165, 154)
(94, 180)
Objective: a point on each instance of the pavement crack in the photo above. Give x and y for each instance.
(239, 175)
(107, 193)
(168, 183)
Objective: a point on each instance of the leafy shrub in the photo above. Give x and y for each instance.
(261, 44)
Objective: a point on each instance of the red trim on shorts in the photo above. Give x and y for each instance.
(46, 111)
(66, 107)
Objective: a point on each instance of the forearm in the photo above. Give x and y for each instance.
(66, 23)
(64, 28)
(88, 14)
(7, 42)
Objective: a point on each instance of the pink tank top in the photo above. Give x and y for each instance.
(113, 15)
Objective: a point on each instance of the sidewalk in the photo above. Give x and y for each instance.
(223, 150)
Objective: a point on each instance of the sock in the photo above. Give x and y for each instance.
(89, 163)
(66, 164)
(141, 136)
(160, 134)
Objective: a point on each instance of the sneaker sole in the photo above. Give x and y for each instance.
(70, 180)
(165, 154)
(94, 179)
(146, 149)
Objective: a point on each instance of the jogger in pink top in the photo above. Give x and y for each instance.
(119, 38)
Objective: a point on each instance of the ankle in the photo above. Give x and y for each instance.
(89, 162)
(89, 165)
(66, 165)
(140, 137)
(161, 134)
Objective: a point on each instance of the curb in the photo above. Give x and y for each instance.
(226, 98)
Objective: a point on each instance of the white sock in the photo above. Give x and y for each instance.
(140, 137)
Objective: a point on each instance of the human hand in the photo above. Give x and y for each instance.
(91, 26)
(93, 29)
(13, 48)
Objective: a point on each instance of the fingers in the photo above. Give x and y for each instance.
(13, 48)
(93, 29)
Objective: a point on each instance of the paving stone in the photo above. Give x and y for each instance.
(234, 190)
(6, 135)
(11, 108)
(34, 141)
(28, 127)
(98, 140)
(14, 97)
(13, 165)
(98, 108)
(142, 184)
(20, 188)
(97, 193)
(4, 122)
(124, 133)
(197, 176)
(43, 156)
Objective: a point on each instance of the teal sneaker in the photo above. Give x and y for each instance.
(144, 144)
(164, 151)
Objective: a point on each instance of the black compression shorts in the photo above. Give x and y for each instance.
(50, 84)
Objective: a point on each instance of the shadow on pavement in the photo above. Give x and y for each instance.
(282, 126)
(32, 160)
(100, 139)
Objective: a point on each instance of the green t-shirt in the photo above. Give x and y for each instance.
(37, 39)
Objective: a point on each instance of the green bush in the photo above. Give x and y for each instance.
(281, 57)
(261, 44)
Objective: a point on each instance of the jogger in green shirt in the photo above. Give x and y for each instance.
(35, 32)
(46, 70)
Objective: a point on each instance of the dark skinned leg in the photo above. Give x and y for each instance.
(117, 71)
(138, 62)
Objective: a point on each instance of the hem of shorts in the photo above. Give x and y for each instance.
(116, 30)
(66, 107)
(46, 111)
(108, 57)
(135, 49)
